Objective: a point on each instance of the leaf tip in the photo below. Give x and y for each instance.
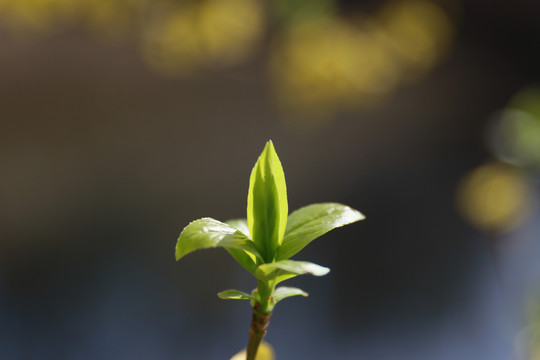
(177, 253)
(270, 150)
(178, 256)
(320, 271)
(352, 215)
(359, 215)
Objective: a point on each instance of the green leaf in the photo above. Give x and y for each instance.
(308, 223)
(235, 295)
(246, 259)
(285, 269)
(267, 203)
(210, 233)
(239, 224)
(284, 292)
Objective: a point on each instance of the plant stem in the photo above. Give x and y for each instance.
(259, 323)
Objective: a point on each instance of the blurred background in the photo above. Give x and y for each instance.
(123, 120)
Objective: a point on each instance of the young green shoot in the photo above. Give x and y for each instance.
(264, 242)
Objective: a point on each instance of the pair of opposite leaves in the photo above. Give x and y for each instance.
(264, 242)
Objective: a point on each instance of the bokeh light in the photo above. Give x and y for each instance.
(527, 341)
(494, 197)
(418, 32)
(516, 134)
(321, 62)
(113, 19)
(36, 15)
(184, 39)
(324, 63)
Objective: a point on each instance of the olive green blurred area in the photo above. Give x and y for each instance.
(123, 120)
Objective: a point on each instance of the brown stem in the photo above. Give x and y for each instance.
(259, 323)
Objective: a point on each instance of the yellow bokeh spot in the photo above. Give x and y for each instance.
(220, 32)
(171, 43)
(418, 31)
(36, 15)
(494, 197)
(177, 37)
(265, 352)
(324, 63)
(229, 30)
(320, 63)
(112, 18)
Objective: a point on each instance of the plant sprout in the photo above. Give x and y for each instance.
(264, 242)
